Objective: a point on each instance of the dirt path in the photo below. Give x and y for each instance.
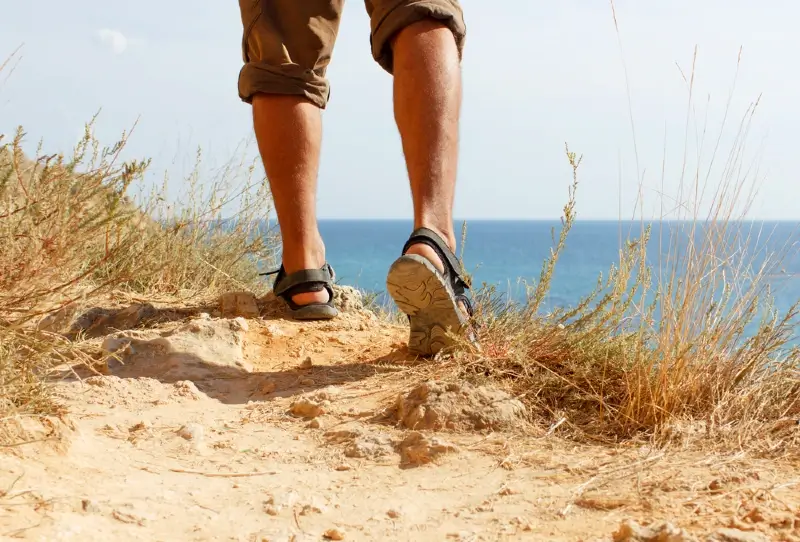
(194, 438)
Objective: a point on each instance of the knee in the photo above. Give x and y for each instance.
(393, 22)
(416, 30)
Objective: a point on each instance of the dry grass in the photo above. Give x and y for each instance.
(691, 341)
(70, 233)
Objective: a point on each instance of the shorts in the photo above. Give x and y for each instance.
(287, 44)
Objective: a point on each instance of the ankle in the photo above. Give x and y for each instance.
(306, 255)
(446, 233)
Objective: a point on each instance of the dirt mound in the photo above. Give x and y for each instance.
(414, 449)
(202, 349)
(457, 406)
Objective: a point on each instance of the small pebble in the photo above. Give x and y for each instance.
(394, 514)
(333, 534)
(191, 431)
(90, 506)
(271, 510)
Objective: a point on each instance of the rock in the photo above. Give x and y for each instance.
(271, 510)
(630, 531)
(333, 534)
(315, 424)
(242, 304)
(309, 509)
(736, 535)
(98, 322)
(89, 506)
(392, 513)
(417, 449)
(359, 443)
(370, 446)
(197, 350)
(306, 382)
(187, 388)
(307, 363)
(191, 431)
(306, 407)
(348, 299)
(346, 433)
(457, 406)
(60, 320)
(98, 381)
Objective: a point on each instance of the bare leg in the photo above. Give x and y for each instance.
(427, 103)
(289, 134)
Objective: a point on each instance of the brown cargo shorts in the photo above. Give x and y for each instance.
(287, 44)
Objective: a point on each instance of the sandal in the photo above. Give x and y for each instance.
(431, 299)
(305, 281)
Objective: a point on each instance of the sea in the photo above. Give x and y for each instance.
(509, 254)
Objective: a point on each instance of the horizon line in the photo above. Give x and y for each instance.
(558, 219)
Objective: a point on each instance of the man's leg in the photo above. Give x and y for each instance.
(427, 103)
(289, 134)
(420, 44)
(287, 48)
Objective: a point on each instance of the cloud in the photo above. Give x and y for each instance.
(114, 39)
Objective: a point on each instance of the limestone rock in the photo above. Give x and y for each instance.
(370, 446)
(242, 304)
(198, 350)
(348, 299)
(458, 406)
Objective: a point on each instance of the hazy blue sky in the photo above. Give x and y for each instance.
(536, 74)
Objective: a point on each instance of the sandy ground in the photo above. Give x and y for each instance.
(270, 430)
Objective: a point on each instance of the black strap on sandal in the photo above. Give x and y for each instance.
(452, 267)
(303, 282)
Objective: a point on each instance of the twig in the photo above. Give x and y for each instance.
(223, 474)
(26, 442)
(555, 426)
(205, 507)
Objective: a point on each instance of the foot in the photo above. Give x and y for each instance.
(429, 254)
(313, 259)
(425, 283)
(310, 297)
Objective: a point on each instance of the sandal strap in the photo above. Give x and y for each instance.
(462, 298)
(452, 267)
(303, 281)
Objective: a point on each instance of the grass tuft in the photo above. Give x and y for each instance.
(71, 235)
(691, 340)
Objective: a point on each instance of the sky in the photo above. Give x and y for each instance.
(537, 75)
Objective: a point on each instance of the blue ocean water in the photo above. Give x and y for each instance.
(504, 253)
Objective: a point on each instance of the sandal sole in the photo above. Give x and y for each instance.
(420, 291)
(315, 312)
